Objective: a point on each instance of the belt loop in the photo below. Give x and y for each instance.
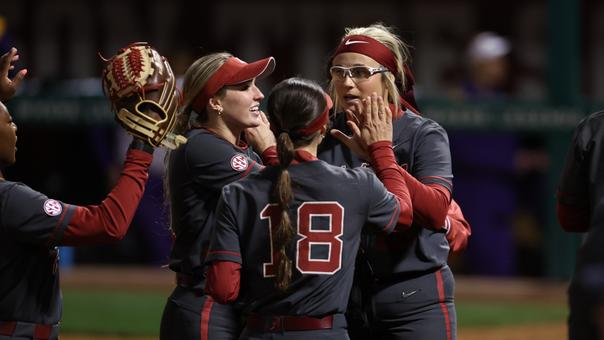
(7, 328)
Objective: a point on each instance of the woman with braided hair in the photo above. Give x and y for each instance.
(286, 238)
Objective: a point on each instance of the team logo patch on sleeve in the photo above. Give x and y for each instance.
(239, 162)
(53, 207)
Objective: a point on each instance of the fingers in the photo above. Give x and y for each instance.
(341, 136)
(7, 59)
(354, 128)
(367, 110)
(351, 116)
(19, 77)
(375, 108)
(264, 118)
(387, 111)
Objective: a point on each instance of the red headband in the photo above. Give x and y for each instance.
(233, 71)
(370, 47)
(320, 121)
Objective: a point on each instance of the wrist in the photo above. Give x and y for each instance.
(139, 144)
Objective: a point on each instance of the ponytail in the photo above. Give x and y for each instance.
(294, 107)
(284, 195)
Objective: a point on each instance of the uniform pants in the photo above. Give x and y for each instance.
(418, 308)
(192, 315)
(338, 332)
(586, 317)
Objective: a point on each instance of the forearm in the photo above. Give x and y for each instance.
(430, 202)
(223, 281)
(387, 170)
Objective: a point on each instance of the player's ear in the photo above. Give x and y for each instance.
(216, 104)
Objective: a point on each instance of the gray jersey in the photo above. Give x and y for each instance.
(421, 147)
(330, 207)
(197, 172)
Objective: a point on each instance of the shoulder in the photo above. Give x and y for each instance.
(418, 123)
(591, 124)
(18, 190)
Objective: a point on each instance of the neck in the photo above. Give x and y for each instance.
(311, 149)
(219, 127)
(313, 146)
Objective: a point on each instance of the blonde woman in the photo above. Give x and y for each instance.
(221, 101)
(404, 287)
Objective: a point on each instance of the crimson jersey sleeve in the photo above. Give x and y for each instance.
(220, 162)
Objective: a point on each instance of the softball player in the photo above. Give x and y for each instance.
(292, 231)
(406, 284)
(220, 101)
(32, 226)
(581, 209)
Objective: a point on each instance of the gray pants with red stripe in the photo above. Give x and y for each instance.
(418, 308)
(191, 315)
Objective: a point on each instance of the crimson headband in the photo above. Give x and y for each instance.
(233, 71)
(370, 47)
(320, 121)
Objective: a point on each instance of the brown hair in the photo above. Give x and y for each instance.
(292, 105)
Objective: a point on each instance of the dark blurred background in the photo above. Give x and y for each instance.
(509, 99)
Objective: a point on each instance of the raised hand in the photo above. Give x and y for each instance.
(370, 122)
(8, 86)
(354, 142)
(376, 123)
(260, 137)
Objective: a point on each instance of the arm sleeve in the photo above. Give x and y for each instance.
(391, 175)
(224, 241)
(215, 163)
(270, 157)
(109, 221)
(34, 218)
(573, 191)
(431, 184)
(224, 255)
(459, 229)
(223, 280)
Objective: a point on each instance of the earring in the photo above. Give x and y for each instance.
(219, 112)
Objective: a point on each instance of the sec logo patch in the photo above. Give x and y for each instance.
(239, 162)
(52, 207)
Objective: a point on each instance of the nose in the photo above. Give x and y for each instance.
(258, 95)
(347, 80)
(14, 126)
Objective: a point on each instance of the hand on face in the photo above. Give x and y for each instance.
(370, 121)
(260, 137)
(8, 86)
